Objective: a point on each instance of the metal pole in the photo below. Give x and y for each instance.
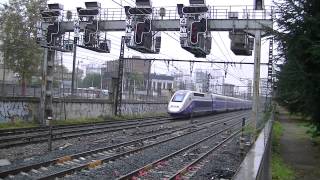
(3, 77)
(148, 82)
(256, 76)
(50, 133)
(43, 88)
(74, 65)
(118, 99)
(63, 90)
(242, 137)
(76, 76)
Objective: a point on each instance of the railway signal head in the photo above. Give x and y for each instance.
(196, 28)
(141, 29)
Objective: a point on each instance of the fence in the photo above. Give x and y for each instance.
(13, 90)
(257, 163)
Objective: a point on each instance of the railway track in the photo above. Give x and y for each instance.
(178, 163)
(61, 166)
(17, 131)
(74, 131)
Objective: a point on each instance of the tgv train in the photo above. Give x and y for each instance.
(186, 103)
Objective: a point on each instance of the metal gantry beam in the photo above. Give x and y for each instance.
(174, 25)
(194, 61)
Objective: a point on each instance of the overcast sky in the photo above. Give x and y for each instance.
(170, 48)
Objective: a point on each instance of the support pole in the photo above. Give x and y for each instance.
(76, 30)
(148, 82)
(3, 93)
(43, 88)
(74, 65)
(118, 99)
(256, 76)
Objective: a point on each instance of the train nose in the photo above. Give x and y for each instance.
(174, 108)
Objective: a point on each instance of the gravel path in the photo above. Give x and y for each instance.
(297, 149)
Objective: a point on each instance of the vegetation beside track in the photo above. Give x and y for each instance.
(18, 124)
(280, 170)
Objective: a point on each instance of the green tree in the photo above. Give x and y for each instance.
(298, 37)
(21, 53)
(91, 80)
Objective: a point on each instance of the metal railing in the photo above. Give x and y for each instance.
(257, 163)
(214, 12)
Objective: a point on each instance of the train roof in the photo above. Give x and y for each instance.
(215, 95)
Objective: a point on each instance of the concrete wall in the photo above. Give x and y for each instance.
(10, 111)
(27, 109)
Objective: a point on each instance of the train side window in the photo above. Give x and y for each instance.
(198, 94)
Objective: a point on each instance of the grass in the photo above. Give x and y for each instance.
(135, 116)
(280, 170)
(18, 124)
(77, 121)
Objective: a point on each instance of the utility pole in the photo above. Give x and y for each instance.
(148, 82)
(62, 79)
(269, 79)
(74, 65)
(118, 99)
(46, 111)
(3, 77)
(75, 40)
(43, 88)
(256, 77)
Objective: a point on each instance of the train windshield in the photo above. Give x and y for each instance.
(178, 98)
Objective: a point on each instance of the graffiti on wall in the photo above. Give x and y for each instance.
(134, 109)
(12, 111)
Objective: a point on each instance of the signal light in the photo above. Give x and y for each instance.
(196, 28)
(143, 3)
(55, 6)
(139, 11)
(194, 9)
(197, 2)
(92, 5)
(258, 5)
(141, 28)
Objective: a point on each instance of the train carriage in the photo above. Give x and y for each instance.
(186, 103)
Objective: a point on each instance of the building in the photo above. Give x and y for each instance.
(161, 83)
(137, 66)
(228, 89)
(183, 82)
(133, 70)
(209, 80)
(93, 69)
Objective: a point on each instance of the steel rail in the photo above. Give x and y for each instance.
(16, 131)
(152, 164)
(185, 169)
(112, 158)
(38, 138)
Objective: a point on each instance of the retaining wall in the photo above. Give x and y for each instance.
(27, 109)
